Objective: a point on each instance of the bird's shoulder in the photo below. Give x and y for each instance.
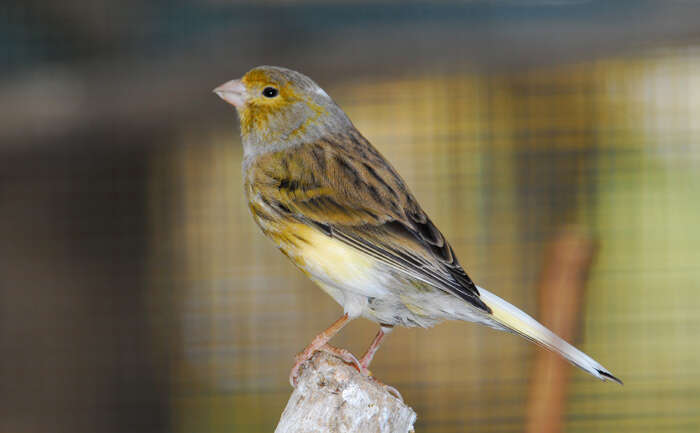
(340, 172)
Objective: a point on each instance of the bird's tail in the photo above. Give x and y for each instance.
(513, 319)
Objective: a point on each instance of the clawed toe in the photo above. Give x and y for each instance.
(294, 374)
(299, 360)
(345, 355)
(391, 390)
(348, 358)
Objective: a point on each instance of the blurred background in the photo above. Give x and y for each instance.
(556, 143)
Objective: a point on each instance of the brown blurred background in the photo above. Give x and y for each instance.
(136, 294)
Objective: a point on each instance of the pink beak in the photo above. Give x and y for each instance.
(232, 92)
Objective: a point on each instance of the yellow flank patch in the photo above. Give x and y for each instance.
(326, 257)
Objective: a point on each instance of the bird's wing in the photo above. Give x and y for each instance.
(351, 193)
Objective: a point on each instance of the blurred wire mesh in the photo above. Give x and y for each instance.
(137, 294)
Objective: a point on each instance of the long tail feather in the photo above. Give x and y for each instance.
(515, 320)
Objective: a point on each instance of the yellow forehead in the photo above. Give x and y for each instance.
(256, 77)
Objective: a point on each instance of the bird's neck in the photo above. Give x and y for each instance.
(289, 132)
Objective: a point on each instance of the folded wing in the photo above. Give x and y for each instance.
(353, 194)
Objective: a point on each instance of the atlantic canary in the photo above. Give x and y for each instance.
(341, 213)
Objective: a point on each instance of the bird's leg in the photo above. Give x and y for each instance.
(318, 342)
(366, 359)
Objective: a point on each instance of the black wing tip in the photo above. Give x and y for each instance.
(484, 307)
(477, 302)
(473, 298)
(609, 376)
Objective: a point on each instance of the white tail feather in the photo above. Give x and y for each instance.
(515, 320)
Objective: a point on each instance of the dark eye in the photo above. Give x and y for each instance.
(270, 92)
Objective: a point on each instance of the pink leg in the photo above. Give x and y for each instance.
(366, 359)
(318, 342)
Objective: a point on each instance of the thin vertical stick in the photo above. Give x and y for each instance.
(567, 263)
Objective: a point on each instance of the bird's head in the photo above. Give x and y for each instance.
(279, 107)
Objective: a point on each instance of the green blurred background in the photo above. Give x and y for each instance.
(137, 295)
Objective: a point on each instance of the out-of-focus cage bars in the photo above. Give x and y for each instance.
(500, 162)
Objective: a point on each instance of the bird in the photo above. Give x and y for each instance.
(334, 205)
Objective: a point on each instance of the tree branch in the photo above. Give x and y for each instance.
(332, 396)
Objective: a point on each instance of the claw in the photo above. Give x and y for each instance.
(294, 374)
(348, 358)
(393, 391)
(343, 354)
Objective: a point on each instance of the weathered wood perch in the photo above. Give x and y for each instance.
(332, 396)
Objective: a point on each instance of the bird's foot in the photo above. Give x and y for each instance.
(360, 366)
(349, 358)
(316, 344)
(343, 354)
(346, 356)
(299, 360)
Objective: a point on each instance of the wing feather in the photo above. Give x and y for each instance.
(350, 192)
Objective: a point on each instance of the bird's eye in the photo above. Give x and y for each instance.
(270, 92)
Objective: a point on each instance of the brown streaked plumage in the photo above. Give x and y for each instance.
(334, 205)
(343, 187)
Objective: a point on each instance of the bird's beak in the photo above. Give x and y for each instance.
(232, 92)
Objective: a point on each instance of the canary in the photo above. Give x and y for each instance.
(341, 213)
